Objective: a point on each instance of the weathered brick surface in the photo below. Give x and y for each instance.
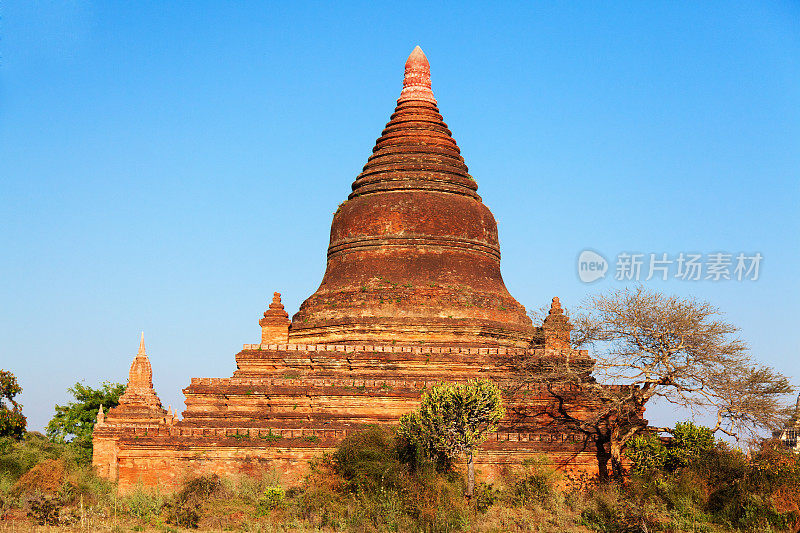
(414, 255)
(412, 296)
(288, 403)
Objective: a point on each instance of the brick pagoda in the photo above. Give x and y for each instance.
(412, 296)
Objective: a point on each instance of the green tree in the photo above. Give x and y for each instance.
(75, 421)
(453, 419)
(689, 442)
(12, 421)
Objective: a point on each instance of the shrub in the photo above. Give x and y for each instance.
(688, 444)
(364, 486)
(745, 492)
(18, 457)
(369, 460)
(648, 453)
(144, 504)
(435, 501)
(533, 484)
(486, 495)
(453, 419)
(609, 509)
(183, 513)
(271, 498)
(47, 477)
(185, 507)
(44, 509)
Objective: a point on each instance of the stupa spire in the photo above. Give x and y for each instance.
(139, 402)
(413, 222)
(275, 324)
(417, 79)
(416, 150)
(140, 375)
(556, 326)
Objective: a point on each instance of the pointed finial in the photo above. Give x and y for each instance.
(275, 314)
(555, 306)
(141, 345)
(417, 79)
(100, 416)
(276, 301)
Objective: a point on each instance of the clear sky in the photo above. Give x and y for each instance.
(166, 166)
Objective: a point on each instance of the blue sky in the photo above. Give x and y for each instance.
(167, 167)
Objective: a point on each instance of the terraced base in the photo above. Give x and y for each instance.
(286, 404)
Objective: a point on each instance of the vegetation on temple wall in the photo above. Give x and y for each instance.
(12, 421)
(655, 346)
(75, 421)
(452, 420)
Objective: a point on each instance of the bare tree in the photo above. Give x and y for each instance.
(650, 345)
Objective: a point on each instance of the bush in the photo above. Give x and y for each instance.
(688, 444)
(745, 492)
(698, 482)
(648, 453)
(611, 510)
(183, 513)
(271, 498)
(12, 421)
(44, 509)
(369, 461)
(185, 507)
(364, 486)
(533, 484)
(435, 501)
(144, 504)
(486, 495)
(18, 457)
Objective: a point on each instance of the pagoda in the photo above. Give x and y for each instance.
(412, 296)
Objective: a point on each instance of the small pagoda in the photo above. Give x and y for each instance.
(412, 296)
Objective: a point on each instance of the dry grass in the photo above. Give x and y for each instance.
(366, 497)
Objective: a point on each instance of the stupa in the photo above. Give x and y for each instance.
(414, 254)
(412, 296)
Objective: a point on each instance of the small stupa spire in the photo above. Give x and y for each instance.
(275, 324)
(275, 314)
(556, 326)
(141, 373)
(101, 417)
(417, 79)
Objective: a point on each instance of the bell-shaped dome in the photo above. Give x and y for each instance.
(413, 254)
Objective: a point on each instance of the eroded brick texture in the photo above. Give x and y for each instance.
(412, 296)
